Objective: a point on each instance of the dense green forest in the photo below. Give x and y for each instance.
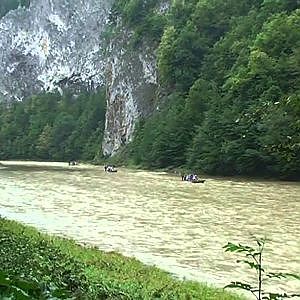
(52, 127)
(231, 72)
(7, 5)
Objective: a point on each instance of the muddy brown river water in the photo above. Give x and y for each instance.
(178, 226)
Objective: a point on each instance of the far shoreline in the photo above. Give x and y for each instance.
(174, 172)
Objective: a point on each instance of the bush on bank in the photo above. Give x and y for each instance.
(61, 267)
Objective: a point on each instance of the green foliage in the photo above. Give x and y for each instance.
(253, 259)
(51, 127)
(14, 287)
(162, 141)
(37, 268)
(180, 57)
(236, 66)
(53, 268)
(142, 17)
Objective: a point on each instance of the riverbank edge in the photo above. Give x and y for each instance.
(179, 171)
(176, 172)
(88, 273)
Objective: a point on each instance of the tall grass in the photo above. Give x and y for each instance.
(87, 273)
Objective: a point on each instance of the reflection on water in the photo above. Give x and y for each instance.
(159, 219)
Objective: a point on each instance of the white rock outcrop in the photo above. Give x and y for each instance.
(60, 44)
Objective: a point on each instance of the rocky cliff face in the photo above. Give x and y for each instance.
(131, 85)
(51, 43)
(58, 44)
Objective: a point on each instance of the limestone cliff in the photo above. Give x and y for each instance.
(59, 44)
(131, 85)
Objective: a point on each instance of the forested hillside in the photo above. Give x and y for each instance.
(52, 127)
(228, 102)
(231, 70)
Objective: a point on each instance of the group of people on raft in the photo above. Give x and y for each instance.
(110, 168)
(73, 163)
(189, 177)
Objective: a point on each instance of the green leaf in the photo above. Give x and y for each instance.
(283, 275)
(4, 280)
(251, 264)
(275, 296)
(240, 285)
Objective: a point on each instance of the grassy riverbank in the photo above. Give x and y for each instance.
(87, 273)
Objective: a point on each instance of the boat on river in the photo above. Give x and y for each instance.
(198, 181)
(110, 169)
(193, 178)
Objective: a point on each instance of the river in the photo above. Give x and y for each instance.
(155, 217)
